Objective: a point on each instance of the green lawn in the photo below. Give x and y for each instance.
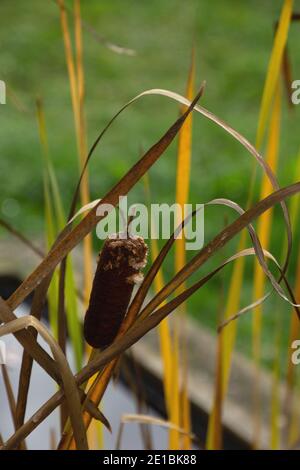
(233, 41)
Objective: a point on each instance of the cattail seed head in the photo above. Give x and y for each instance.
(119, 269)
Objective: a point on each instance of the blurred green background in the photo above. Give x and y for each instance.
(233, 41)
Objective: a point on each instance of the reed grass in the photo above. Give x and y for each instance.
(233, 300)
(80, 394)
(181, 414)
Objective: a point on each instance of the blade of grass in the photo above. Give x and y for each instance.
(49, 170)
(38, 303)
(53, 205)
(164, 328)
(207, 114)
(175, 411)
(27, 360)
(294, 324)
(82, 146)
(68, 380)
(293, 431)
(11, 400)
(100, 39)
(76, 79)
(29, 344)
(154, 152)
(9, 393)
(264, 233)
(135, 333)
(70, 63)
(287, 76)
(50, 238)
(274, 67)
(193, 264)
(214, 433)
(70, 238)
(226, 342)
(51, 227)
(99, 386)
(233, 301)
(58, 306)
(265, 222)
(164, 334)
(146, 419)
(179, 408)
